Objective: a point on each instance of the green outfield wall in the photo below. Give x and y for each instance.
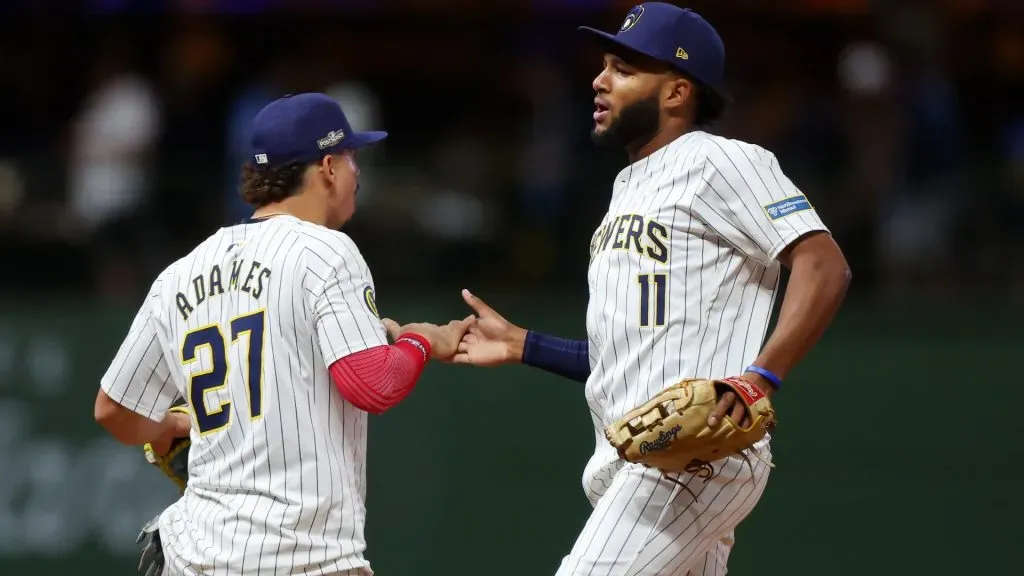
(898, 452)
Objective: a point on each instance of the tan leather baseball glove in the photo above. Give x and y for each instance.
(670, 432)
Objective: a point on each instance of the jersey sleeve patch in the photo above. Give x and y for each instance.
(787, 206)
(371, 300)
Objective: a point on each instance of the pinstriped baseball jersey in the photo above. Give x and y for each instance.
(683, 275)
(244, 328)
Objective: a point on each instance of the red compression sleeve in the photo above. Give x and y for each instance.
(376, 379)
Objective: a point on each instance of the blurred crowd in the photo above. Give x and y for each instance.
(122, 139)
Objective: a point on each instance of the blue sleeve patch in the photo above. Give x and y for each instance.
(787, 206)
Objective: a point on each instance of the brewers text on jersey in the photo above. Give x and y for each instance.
(683, 275)
(631, 232)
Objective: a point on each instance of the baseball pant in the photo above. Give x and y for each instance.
(646, 525)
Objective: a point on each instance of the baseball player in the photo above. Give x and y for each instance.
(684, 271)
(269, 330)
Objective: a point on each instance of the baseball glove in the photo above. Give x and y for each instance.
(151, 562)
(671, 433)
(174, 464)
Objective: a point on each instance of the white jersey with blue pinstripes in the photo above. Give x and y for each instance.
(683, 277)
(244, 328)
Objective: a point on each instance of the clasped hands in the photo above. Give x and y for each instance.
(483, 338)
(486, 338)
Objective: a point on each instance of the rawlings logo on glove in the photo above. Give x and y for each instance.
(664, 440)
(670, 432)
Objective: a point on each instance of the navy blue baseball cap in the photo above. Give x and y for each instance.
(678, 37)
(303, 128)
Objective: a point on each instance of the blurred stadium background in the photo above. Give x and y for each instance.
(121, 129)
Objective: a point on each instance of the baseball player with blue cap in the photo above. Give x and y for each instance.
(683, 277)
(269, 332)
(294, 131)
(291, 129)
(669, 40)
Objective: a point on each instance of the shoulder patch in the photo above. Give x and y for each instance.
(371, 300)
(787, 206)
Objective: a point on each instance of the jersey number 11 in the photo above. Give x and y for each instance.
(659, 281)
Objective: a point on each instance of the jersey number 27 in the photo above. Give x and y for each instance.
(216, 376)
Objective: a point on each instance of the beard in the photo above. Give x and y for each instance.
(636, 125)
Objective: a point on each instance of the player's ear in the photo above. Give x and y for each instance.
(327, 170)
(678, 91)
(327, 166)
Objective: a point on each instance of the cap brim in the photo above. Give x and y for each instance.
(596, 32)
(611, 41)
(360, 139)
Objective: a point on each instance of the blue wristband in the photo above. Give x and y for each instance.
(569, 358)
(768, 374)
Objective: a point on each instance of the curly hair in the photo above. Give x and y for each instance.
(264, 185)
(711, 107)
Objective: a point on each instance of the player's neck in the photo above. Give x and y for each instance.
(663, 137)
(293, 206)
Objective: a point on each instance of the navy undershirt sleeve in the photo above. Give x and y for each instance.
(568, 358)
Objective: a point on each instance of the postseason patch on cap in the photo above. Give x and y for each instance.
(332, 138)
(787, 206)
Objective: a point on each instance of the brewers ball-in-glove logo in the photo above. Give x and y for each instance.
(371, 300)
(632, 18)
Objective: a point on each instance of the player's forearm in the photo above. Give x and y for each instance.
(568, 358)
(817, 286)
(377, 379)
(125, 425)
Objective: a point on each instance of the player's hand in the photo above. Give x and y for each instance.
(175, 425)
(444, 340)
(730, 404)
(491, 340)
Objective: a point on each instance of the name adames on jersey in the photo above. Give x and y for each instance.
(209, 284)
